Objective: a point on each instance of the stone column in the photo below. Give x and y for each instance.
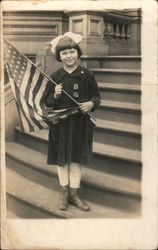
(135, 31)
(89, 24)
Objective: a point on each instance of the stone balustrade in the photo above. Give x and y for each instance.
(104, 32)
(116, 31)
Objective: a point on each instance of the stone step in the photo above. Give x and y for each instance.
(118, 134)
(120, 92)
(114, 75)
(90, 177)
(119, 111)
(19, 208)
(113, 164)
(109, 132)
(39, 140)
(117, 152)
(124, 62)
(45, 198)
(121, 86)
(119, 127)
(129, 107)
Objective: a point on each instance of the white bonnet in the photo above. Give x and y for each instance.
(76, 37)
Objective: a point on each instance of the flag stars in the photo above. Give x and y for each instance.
(17, 66)
(18, 62)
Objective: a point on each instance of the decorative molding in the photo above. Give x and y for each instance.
(35, 13)
(85, 12)
(95, 29)
(34, 30)
(30, 38)
(77, 26)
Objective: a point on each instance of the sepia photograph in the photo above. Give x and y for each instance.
(73, 102)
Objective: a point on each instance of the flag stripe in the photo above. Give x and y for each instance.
(34, 81)
(25, 79)
(22, 108)
(36, 90)
(28, 87)
(26, 123)
(38, 95)
(28, 97)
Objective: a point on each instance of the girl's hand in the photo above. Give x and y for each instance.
(86, 106)
(58, 90)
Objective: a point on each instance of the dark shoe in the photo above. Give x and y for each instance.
(63, 203)
(75, 200)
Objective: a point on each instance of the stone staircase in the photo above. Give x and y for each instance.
(112, 182)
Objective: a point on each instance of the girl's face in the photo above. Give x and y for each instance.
(69, 57)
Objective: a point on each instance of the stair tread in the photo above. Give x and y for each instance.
(90, 176)
(122, 105)
(116, 70)
(112, 56)
(100, 148)
(119, 86)
(43, 198)
(119, 126)
(117, 152)
(104, 124)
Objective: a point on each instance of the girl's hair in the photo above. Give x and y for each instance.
(66, 43)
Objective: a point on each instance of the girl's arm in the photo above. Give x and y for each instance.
(48, 95)
(52, 92)
(93, 95)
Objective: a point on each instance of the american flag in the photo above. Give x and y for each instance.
(28, 84)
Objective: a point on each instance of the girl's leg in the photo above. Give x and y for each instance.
(63, 175)
(75, 178)
(75, 175)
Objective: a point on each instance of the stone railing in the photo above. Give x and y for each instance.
(117, 24)
(116, 31)
(122, 31)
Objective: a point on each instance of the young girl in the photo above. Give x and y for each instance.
(70, 140)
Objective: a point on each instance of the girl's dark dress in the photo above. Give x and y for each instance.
(70, 140)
